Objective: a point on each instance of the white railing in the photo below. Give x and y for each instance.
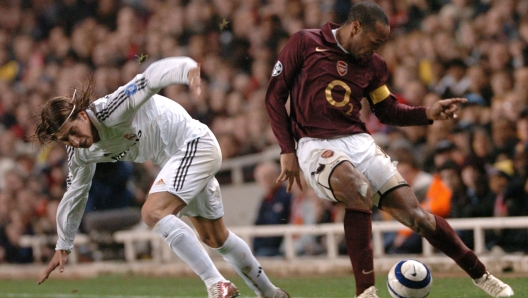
(332, 232)
(37, 243)
(161, 252)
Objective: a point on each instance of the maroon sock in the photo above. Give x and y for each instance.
(358, 232)
(447, 241)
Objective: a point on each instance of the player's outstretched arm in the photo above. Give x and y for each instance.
(444, 109)
(59, 259)
(168, 71)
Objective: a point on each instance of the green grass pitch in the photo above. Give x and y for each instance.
(116, 286)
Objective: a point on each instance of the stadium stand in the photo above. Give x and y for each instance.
(477, 49)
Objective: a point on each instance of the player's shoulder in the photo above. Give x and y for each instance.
(317, 36)
(100, 103)
(377, 58)
(308, 38)
(377, 62)
(308, 34)
(73, 156)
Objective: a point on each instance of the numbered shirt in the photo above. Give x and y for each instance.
(134, 124)
(326, 86)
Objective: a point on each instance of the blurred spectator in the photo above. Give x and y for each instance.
(7, 155)
(455, 83)
(504, 137)
(522, 127)
(511, 200)
(466, 202)
(479, 88)
(444, 150)
(274, 209)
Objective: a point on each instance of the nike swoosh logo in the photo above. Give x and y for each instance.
(318, 49)
(367, 272)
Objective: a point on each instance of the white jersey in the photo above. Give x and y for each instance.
(134, 124)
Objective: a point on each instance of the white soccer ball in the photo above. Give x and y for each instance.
(409, 279)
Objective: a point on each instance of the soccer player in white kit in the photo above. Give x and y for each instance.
(136, 124)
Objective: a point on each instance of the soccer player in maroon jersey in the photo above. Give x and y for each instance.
(325, 73)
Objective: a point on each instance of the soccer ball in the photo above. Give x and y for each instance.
(409, 279)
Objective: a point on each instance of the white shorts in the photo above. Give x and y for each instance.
(189, 174)
(361, 151)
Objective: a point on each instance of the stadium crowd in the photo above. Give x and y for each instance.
(473, 167)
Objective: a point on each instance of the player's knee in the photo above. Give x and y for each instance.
(150, 217)
(353, 191)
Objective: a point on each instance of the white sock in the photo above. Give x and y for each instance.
(183, 241)
(237, 253)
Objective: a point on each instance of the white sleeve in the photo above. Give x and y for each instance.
(73, 203)
(168, 71)
(126, 100)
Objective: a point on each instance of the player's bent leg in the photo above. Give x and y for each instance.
(352, 188)
(402, 204)
(236, 253)
(158, 205)
(157, 213)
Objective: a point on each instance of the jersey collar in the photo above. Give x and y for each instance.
(327, 32)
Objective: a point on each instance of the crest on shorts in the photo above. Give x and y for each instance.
(327, 154)
(342, 68)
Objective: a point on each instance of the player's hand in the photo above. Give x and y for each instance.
(195, 81)
(290, 170)
(59, 259)
(444, 109)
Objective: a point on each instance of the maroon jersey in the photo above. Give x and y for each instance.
(326, 86)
